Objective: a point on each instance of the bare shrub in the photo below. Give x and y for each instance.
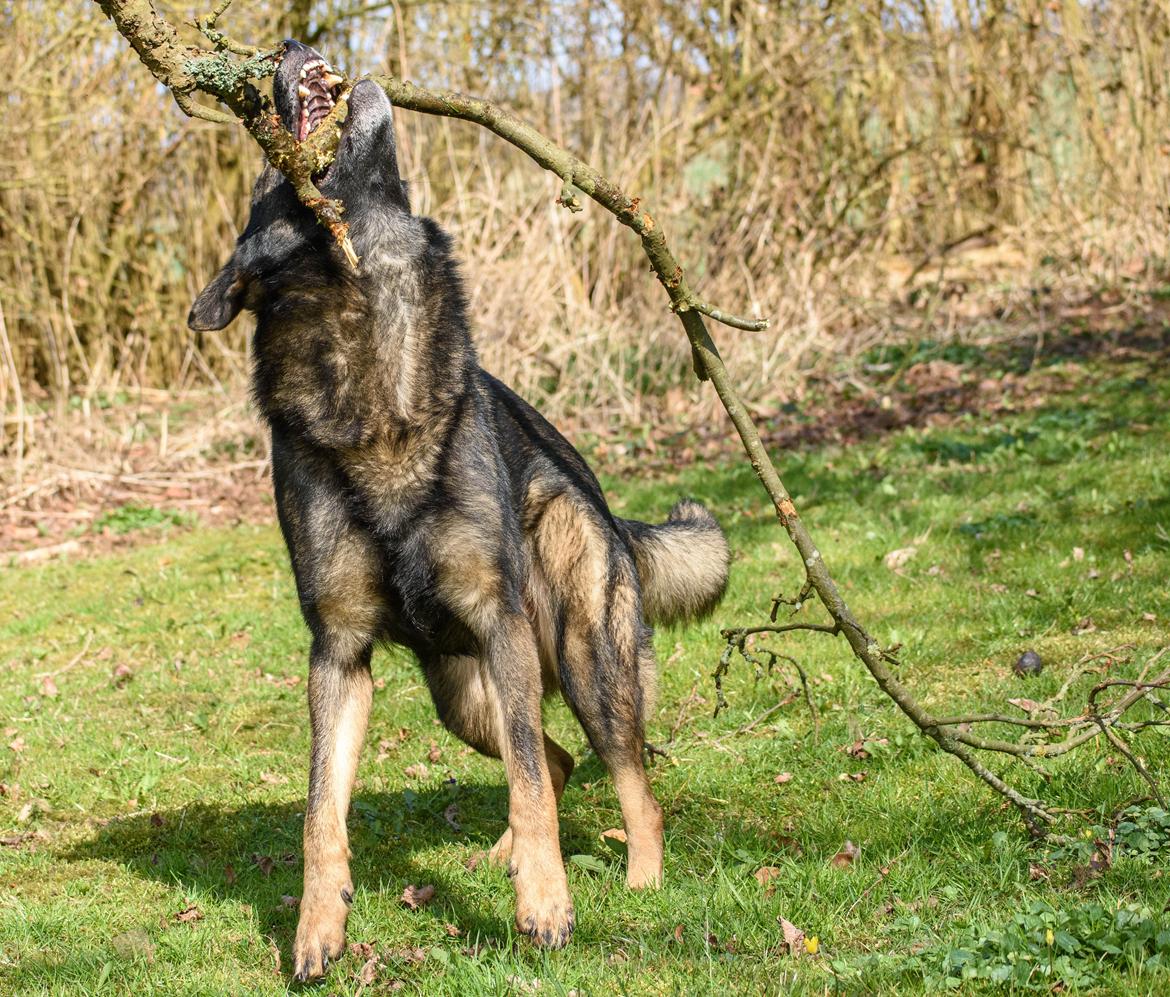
(899, 170)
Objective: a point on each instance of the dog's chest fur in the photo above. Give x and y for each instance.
(370, 370)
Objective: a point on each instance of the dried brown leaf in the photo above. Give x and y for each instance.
(615, 839)
(793, 937)
(1085, 626)
(764, 876)
(895, 560)
(369, 971)
(188, 914)
(415, 897)
(845, 858)
(410, 955)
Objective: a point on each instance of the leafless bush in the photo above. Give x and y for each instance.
(980, 155)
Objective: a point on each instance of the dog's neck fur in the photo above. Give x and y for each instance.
(385, 351)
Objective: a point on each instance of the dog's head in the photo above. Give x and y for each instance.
(283, 246)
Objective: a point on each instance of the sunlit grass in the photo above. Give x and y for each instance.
(182, 782)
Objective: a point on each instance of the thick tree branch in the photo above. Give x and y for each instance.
(185, 69)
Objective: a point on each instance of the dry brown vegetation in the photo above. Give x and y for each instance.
(858, 172)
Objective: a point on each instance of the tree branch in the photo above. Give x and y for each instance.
(186, 70)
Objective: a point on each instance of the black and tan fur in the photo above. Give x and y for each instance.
(424, 503)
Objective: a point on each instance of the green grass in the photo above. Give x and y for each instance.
(182, 782)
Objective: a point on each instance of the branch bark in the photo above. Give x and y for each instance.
(186, 69)
(226, 72)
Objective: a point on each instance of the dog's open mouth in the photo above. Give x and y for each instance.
(317, 92)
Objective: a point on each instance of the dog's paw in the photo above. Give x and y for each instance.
(644, 875)
(546, 915)
(549, 929)
(320, 935)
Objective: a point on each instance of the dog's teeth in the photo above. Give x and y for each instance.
(332, 79)
(303, 91)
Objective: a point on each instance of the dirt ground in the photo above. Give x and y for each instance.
(92, 478)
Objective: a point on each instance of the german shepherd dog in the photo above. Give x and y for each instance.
(424, 503)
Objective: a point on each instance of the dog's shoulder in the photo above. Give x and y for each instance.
(535, 450)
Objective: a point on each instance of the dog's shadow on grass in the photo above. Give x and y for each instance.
(252, 853)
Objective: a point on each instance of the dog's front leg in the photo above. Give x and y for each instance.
(340, 691)
(544, 909)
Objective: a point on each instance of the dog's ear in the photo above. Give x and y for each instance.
(220, 301)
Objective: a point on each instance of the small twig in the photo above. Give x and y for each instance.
(1003, 718)
(1114, 738)
(653, 749)
(812, 706)
(820, 628)
(1121, 746)
(682, 711)
(1080, 669)
(748, 324)
(194, 110)
(752, 724)
(76, 660)
(207, 27)
(883, 872)
(722, 669)
(778, 600)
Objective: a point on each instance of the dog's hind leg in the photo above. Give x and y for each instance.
(606, 663)
(470, 581)
(560, 767)
(544, 909)
(600, 681)
(468, 710)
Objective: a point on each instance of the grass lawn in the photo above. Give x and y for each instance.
(152, 788)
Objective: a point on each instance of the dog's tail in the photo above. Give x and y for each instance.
(682, 563)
